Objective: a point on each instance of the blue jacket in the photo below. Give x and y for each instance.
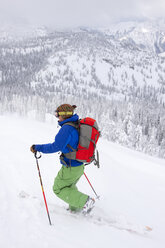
(66, 135)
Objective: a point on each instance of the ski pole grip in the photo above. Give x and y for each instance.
(37, 156)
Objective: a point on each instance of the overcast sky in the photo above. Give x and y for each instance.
(68, 13)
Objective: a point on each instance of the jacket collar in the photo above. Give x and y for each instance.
(73, 118)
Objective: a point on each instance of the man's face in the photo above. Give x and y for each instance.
(60, 118)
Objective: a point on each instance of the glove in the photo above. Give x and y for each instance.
(32, 149)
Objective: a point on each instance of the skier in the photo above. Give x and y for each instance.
(71, 171)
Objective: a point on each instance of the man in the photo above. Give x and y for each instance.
(65, 182)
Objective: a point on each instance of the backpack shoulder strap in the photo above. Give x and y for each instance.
(73, 124)
(72, 150)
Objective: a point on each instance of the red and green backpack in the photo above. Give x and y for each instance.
(88, 136)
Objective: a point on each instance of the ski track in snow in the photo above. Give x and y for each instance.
(131, 186)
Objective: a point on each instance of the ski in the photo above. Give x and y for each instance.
(95, 217)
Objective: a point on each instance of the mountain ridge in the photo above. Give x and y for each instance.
(112, 77)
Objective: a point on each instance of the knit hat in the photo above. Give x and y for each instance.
(65, 110)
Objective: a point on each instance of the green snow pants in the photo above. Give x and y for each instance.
(65, 187)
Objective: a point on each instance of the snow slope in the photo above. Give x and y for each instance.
(131, 186)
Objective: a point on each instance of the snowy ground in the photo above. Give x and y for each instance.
(131, 186)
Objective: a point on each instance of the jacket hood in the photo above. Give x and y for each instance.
(73, 118)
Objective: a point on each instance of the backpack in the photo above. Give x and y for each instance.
(88, 137)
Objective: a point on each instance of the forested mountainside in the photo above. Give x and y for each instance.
(116, 75)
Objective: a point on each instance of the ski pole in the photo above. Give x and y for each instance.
(42, 186)
(91, 186)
